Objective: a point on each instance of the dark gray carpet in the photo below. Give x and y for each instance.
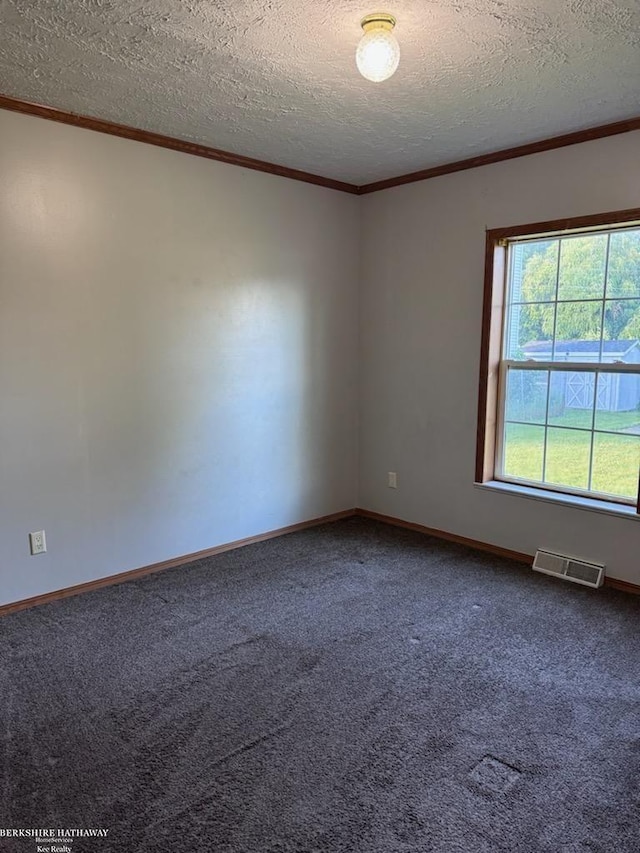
(353, 687)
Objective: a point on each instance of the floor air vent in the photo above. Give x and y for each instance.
(560, 566)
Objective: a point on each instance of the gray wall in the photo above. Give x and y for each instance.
(177, 353)
(179, 362)
(421, 306)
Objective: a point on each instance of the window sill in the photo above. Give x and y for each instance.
(590, 504)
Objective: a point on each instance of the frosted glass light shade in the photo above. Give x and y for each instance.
(378, 52)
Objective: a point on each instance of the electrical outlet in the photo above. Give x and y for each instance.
(393, 480)
(37, 542)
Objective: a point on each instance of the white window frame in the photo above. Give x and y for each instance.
(495, 366)
(557, 367)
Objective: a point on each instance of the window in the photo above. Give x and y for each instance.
(560, 377)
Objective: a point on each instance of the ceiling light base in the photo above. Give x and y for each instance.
(378, 20)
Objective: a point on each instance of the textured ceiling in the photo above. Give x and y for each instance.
(276, 79)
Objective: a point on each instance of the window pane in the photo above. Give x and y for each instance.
(567, 460)
(571, 398)
(523, 451)
(526, 398)
(618, 408)
(530, 332)
(578, 326)
(534, 271)
(616, 461)
(621, 330)
(623, 277)
(573, 300)
(582, 267)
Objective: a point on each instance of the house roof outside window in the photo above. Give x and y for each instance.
(620, 350)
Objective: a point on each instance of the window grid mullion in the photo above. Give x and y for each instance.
(566, 428)
(573, 301)
(604, 297)
(553, 354)
(546, 429)
(596, 378)
(555, 303)
(593, 424)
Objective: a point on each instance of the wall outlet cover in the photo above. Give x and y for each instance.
(38, 542)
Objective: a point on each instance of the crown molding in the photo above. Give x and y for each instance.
(574, 138)
(197, 150)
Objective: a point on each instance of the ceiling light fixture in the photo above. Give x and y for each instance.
(378, 52)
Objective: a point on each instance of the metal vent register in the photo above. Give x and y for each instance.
(569, 568)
